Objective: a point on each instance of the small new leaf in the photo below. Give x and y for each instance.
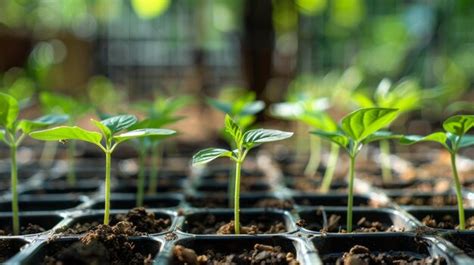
(258, 136)
(334, 137)
(252, 108)
(459, 124)
(466, 141)
(207, 155)
(361, 123)
(120, 122)
(27, 126)
(155, 133)
(104, 129)
(381, 135)
(233, 130)
(67, 133)
(8, 110)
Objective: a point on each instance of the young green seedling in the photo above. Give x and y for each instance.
(357, 129)
(312, 114)
(56, 103)
(12, 133)
(243, 110)
(452, 139)
(244, 141)
(160, 112)
(405, 96)
(111, 131)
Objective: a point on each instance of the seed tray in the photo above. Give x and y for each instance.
(310, 245)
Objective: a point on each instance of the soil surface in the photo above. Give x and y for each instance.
(8, 249)
(310, 185)
(103, 245)
(260, 254)
(446, 222)
(335, 223)
(24, 230)
(221, 202)
(259, 225)
(360, 255)
(142, 221)
(435, 201)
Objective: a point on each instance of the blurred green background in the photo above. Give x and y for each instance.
(198, 47)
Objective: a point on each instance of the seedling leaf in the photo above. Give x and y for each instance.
(381, 135)
(466, 140)
(438, 137)
(8, 110)
(334, 137)
(67, 133)
(120, 122)
(361, 123)
(207, 155)
(252, 108)
(459, 124)
(138, 133)
(258, 136)
(27, 126)
(104, 129)
(233, 130)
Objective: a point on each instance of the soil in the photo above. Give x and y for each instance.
(103, 245)
(310, 185)
(359, 255)
(24, 230)
(142, 221)
(260, 254)
(335, 222)
(439, 186)
(8, 249)
(465, 244)
(259, 225)
(435, 201)
(221, 202)
(446, 222)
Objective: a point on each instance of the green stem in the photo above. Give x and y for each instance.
(315, 156)
(108, 162)
(141, 179)
(238, 166)
(48, 154)
(457, 183)
(156, 154)
(330, 168)
(350, 196)
(71, 174)
(14, 183)
(385, 161)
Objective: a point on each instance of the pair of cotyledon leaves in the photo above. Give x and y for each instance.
(9, 122)
(110, 128)
(243, 141)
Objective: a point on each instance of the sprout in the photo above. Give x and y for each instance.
(358, 128)
(452, 139)
(12, 133)
(111, 131)
(244, 141)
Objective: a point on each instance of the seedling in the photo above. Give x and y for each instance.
(357, 129)
(311, 113)
(244, 141)
(56, 103)
(405, 96)
(160, 112)
(111, 130)
(12, 133)
(453, 138)
(243, 110)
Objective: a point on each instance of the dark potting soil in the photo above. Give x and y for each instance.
(103, 245)
(309, 185)
(335, 223)
(8, 249)
(360, 255)
(260, 254)
(221, 202)
(435, 201)
(142, 221)
(259, 225)
(446, 222)
(24, 230)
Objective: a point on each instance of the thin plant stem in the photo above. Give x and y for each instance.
(350, 195)
(141, 179)
(156, 155)
(314, 157)
(330, 168)
(14, 183)
(238, 166)
(385, 161)
(48, 154)
(71, 173)
(108, 162)
(457, 183)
